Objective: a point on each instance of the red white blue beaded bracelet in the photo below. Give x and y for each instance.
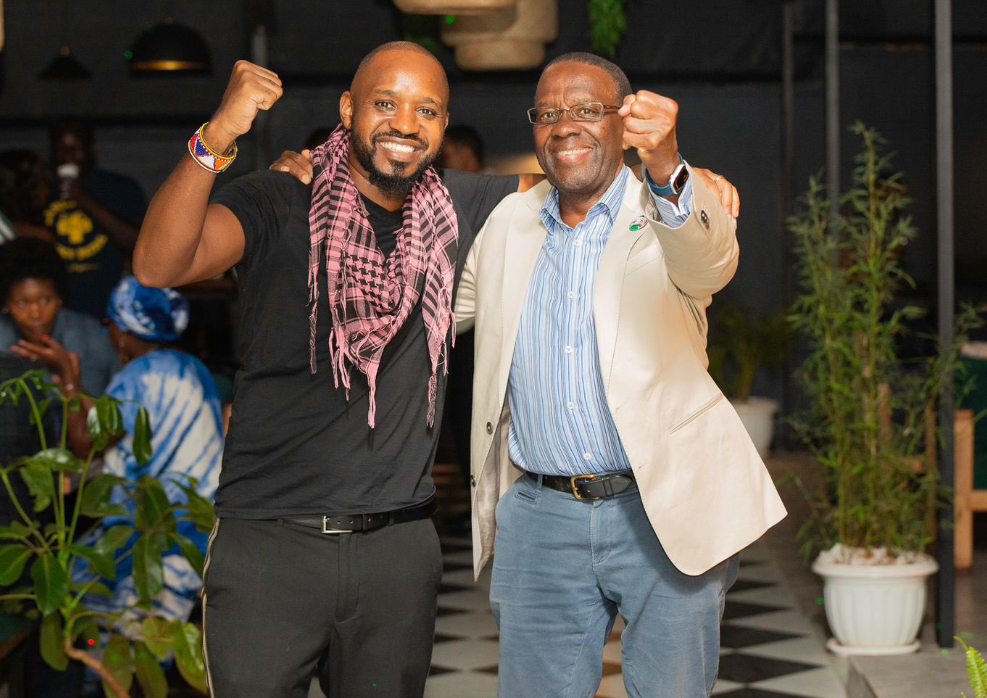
(206, 157)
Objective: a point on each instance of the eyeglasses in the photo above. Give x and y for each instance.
(586, 111)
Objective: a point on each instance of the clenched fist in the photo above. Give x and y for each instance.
(649, 126)
(251, 88)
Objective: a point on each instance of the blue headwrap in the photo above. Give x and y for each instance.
(153, 314)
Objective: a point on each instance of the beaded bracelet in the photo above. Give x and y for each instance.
(206, 157)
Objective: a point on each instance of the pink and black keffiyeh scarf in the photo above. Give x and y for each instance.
(371, 297)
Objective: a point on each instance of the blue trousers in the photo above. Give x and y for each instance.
(563, 568)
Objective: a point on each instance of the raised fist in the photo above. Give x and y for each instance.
(251, 88)
(649, 126)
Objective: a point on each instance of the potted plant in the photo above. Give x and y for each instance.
(868, 423)
(68, 563)
(742, 344)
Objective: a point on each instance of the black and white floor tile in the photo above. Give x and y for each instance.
(768, 650)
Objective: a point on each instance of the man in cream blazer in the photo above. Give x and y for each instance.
(698, 493)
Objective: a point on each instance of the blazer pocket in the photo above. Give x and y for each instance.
(648, 254)
(697, 414)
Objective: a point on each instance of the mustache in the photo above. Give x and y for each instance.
(397, 134)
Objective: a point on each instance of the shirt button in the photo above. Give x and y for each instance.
(571, 294)
(489, 428)
(568, 350)
(578, 243)
(587, 456)
(571, 405)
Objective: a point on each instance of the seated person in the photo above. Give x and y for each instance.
(178, 393)
(32, 290)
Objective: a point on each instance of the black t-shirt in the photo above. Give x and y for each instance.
(296, 445)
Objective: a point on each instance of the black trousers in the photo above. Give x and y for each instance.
(284, 602)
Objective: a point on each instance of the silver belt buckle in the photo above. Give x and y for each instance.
(325, 529)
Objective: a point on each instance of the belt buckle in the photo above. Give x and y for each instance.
(575, 490)
(325, 523)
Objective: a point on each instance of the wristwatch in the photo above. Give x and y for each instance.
(680, 175)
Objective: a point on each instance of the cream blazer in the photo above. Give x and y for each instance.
(705, 490)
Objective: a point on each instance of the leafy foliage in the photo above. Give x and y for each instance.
(976, 670)
(869, 409)
(607, 23)
(742, 343)
(52, 553)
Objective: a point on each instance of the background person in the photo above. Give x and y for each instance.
(33, 292)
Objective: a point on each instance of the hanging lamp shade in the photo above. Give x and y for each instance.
(65, 67)
(169, 48)
(451, 7)
(512, 39)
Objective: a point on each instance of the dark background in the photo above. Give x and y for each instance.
(720, 59)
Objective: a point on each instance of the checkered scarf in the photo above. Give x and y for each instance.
(371, 297)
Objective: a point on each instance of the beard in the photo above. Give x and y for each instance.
(391, 183)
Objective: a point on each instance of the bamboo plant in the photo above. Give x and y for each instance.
(68, 562)
(870, 409)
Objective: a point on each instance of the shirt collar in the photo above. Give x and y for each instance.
(609, 203)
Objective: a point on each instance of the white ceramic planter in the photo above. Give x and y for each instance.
(758, 416)
(874, 609)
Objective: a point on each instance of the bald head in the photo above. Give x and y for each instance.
(397, 49)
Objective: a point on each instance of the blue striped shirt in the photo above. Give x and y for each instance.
(560, 421)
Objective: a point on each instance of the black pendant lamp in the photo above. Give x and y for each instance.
(65, 67)
(169, 48)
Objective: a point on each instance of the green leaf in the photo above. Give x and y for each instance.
(15, 531)
(51, 583)
(37, 476)
(158, 635)
(113, 539)
(53, 642)
(148, 571)
(188, 655)
(118, 658)
(96, 496)
(60, 459)
(101, 564)
(149, 673)
(142, 437)
(153, 506)
(191, 552)
(12, 561)
(97, 588)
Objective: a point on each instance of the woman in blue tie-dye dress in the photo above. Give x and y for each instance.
(180, 397)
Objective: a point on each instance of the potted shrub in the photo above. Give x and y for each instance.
(67, 563)
(868, 421)
(742, 344)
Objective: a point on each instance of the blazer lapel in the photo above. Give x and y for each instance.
(525, 238)
(610, 276)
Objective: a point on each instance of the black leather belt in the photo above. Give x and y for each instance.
(589, 486)
(355, 523)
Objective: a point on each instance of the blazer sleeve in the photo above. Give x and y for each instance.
(701, 255)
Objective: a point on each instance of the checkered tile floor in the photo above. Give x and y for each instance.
(768, 647)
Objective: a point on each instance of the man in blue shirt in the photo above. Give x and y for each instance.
(620, 479)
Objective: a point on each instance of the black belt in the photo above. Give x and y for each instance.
(602, 486)
(355, 523)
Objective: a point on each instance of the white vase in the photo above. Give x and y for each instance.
(758, 416)
(874, 609)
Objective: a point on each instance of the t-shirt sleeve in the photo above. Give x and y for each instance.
(261, 201)
(478, 194)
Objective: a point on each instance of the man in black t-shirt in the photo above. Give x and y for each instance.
(323, 558)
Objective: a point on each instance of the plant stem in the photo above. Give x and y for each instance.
(20, 510)
(108, 678)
